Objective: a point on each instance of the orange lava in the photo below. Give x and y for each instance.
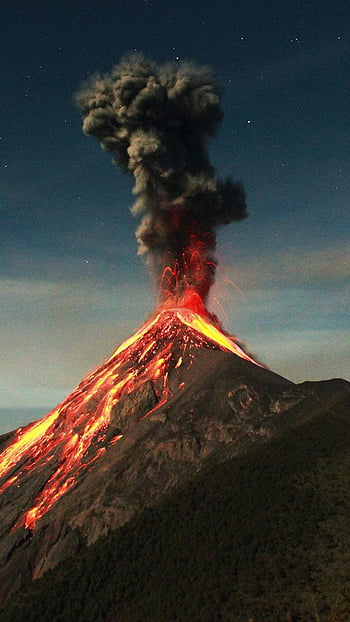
(73, 436)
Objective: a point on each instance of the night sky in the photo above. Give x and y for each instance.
(72, 286)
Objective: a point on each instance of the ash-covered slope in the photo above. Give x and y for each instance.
(175, 395)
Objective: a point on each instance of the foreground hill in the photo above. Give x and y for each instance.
(259, 534)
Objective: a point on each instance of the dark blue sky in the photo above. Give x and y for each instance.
(72, 286)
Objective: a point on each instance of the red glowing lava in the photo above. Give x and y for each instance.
(73, 436)
(186, 281)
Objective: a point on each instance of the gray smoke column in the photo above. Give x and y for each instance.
(156, 120)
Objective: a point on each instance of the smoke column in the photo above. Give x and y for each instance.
(156, 120)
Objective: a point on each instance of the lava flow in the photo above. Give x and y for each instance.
(76, 433)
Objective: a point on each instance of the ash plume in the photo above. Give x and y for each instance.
(156, 120)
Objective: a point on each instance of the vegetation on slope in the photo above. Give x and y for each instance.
(265, 537)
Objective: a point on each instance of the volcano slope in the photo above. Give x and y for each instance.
(245, 472)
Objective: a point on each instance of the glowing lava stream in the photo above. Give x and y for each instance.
(73, 436)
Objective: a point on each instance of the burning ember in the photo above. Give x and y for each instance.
(75, 434)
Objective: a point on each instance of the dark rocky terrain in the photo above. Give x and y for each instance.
(220, 407)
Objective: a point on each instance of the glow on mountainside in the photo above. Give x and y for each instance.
(73, 436)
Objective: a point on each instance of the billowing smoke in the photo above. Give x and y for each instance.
(156, 121)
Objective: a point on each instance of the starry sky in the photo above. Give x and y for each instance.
(71, 284)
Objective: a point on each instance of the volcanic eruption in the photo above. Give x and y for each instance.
(180, 388)
(155, 120)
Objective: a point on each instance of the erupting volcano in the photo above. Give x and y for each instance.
(155, 120)
(177, 392)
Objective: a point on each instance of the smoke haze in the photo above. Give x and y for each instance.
(156, 121)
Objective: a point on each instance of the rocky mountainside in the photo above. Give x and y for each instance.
(261, 534)
(175, 398)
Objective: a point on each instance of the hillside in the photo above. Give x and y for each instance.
(262, 535)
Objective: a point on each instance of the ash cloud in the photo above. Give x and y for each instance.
(156, 120)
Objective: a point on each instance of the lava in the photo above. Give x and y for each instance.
(72, 437)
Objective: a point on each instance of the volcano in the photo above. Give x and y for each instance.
(176, 394)
(175, 401)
